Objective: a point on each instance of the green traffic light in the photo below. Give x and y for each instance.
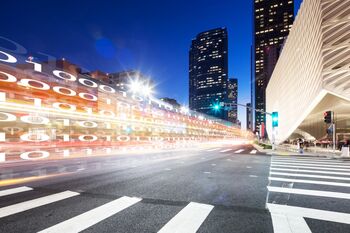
(216, 107)
(275, 119)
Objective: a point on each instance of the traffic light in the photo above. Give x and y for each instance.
(274, 119)
(327, 117)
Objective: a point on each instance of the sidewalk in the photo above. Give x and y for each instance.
(315, 152)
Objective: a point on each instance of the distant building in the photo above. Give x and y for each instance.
(171, 101)
(232, 96)
(272, 22)
(99, 75)
(249, 117)
(208, 72)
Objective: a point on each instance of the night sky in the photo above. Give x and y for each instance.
(153, 36)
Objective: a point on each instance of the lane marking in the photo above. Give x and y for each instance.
(239, 151)
(214, 149)
(310, 213)
(14, 190)
(311, 164)
(289, 224)
(309, 192)
(189, 219)
(206, 172)
(310, 181)
(227, 150)
(27, 205)
(310, 167)
(305, 158)
(92, 217)
(310, 171)
(167, 169)
(308, 161)
(249, 167)
(253, 176)
(253, 152)
(213, 164)
(311, 176)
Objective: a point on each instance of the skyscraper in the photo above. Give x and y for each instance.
(272, 22)
(232, 96)
(208, 72)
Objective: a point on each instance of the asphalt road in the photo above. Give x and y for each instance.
(217, 189)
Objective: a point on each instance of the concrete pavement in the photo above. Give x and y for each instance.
(216, 189)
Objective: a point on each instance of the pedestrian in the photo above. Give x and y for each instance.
(301, 146)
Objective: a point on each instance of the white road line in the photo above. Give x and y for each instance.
(309, 192)
(305, 158)
(14, 190)
(310, 182)
(206, 172)
(289, 224)
(253, 176)
(280, 223)
(310, 171)
(239, 151)
(311, 176)
(90, 218)
(253, 152)
(310, 167)
(189, 219)
(27, 205)
(312, 164)
(227, 150)
(310, 213)
(316, 162)
(213, 149)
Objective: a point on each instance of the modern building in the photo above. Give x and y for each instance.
(208, 72)
(232, 96)
(272, 22)
(249, 117)
(171, 101)
(312, 74)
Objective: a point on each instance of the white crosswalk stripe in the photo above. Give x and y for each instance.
(14, 190)
(310, 171)
(27, 205)
(310, 167)
(189, 219)
(311, 164)
(253, 152)
(90, 218)
(306, 161)
(310, 176)
(318, 172)
(227, 150)
(239, 151)
(309, 192)
(213, 149)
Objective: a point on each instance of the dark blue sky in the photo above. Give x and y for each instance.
(153, 36)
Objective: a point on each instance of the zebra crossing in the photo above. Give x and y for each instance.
(302, 188)
(235, 151)
(187, 220)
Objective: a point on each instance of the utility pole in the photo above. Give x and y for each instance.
(334, 139)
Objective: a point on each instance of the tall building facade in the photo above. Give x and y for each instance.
(208, 72)
(312, 74)
(232, 96)
(273, 20)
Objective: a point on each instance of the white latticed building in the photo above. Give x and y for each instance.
(313, 72)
